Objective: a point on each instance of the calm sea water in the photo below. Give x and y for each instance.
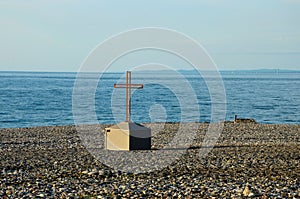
(40, 99)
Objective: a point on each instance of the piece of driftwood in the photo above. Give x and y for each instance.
(243, 120)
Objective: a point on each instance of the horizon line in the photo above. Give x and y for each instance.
(184, 70)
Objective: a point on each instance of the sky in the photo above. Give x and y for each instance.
(58, 35)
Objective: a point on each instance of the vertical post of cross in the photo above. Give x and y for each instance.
(128, 95)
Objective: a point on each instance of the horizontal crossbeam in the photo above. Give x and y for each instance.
(136, 86)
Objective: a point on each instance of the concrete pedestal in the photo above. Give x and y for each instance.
(127, 136)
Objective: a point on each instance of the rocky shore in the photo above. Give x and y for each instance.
(248, 161)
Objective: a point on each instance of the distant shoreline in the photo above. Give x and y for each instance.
(178, 70)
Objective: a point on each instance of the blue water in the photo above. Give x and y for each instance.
(41, 99)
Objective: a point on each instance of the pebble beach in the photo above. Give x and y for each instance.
(247, 161)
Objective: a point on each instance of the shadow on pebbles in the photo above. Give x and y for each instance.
(247, 161)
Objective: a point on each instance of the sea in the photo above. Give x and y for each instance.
(29, 99)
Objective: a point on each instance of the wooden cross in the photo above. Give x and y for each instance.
(128, 87)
